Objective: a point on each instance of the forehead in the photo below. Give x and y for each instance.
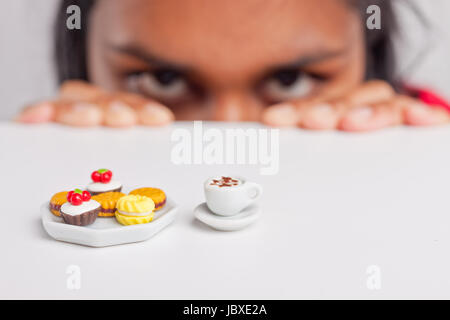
(227, 35)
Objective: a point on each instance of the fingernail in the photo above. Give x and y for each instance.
(151, 108)
(361, 114)
(320, 117)
(422, 114)
(420, 110)
(119, 114)
(81, 114)
(82, 107)
(283, 114)
(322, 109)
(284, 108)
(154, 114)
(158, 110)
(117, 106)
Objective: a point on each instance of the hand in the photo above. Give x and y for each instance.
(84, 105)
(371, 106)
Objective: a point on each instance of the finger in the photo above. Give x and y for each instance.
(281, 115)
(155, 114)
(302, 112)
(37, 113)
(77, 90)
(368, 118)
(134, 100)
(420, 114)
(119, 115)
(79, 114)
(288, 114)
(417, 113)
(323, 116)
(369, 92)
(149, 112)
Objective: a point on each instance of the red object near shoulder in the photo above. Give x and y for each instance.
(428, 97)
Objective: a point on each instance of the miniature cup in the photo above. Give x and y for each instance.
(230, 200)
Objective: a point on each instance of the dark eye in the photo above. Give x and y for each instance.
(166, 77)
(286, 84)
(165, 84)
(286, 77)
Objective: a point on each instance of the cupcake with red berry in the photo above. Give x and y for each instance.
(102, 182)
(80, 209)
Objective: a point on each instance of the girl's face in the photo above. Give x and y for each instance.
(225, 60)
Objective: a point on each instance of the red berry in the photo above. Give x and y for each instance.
(96, 176)
(86, 196)
(76, 199)
(69, 196)
(106, 176)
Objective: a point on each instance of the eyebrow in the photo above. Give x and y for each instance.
(149, 58)
(314, 58)
(144, 55)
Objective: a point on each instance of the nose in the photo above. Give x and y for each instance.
(235, 105)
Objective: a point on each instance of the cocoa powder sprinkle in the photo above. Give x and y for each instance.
(225, 182)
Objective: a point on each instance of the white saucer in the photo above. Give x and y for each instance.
(232, 223)
(106, 231)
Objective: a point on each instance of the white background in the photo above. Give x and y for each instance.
(339, 204)
(26, 63)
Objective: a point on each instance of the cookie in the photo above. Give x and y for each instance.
(80, 209)
(57, 201)
(108, 202)
(157, 195)
(134, 209)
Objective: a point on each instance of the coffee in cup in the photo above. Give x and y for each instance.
(228, 195)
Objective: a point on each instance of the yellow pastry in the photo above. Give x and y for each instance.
(134, 209)
(108, 202)
(57, 201)
(157, 195)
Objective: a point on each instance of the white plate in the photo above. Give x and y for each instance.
(106, 231)
(231, 223)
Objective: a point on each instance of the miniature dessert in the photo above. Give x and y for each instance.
(157, 195)
(228, 196)
(102, 182)
(108, 202)
(80, 210)
(134, 209)
(57, 201)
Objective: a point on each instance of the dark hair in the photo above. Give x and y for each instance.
(70, 45)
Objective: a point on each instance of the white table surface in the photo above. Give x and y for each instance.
(339, 204)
